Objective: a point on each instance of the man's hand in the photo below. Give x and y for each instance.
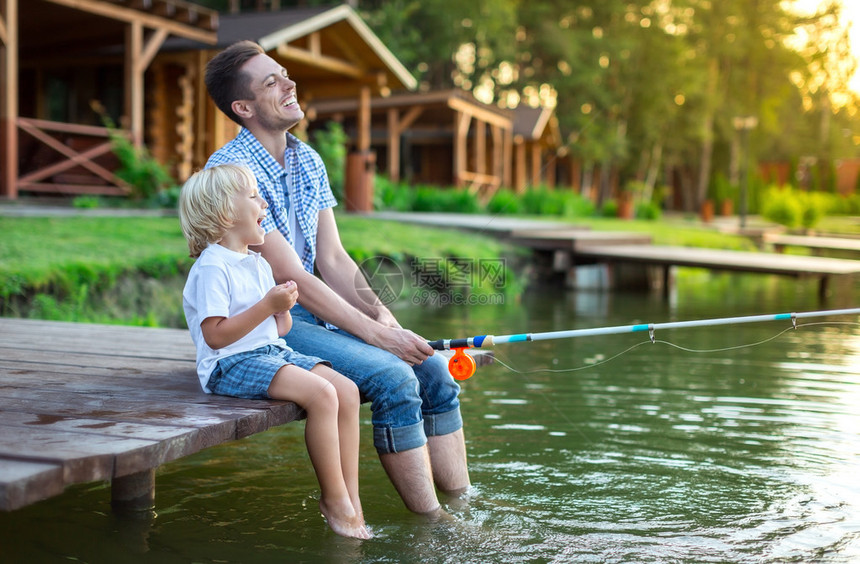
(403, 343)
(282, 297)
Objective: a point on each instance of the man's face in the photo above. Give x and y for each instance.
(274, 106)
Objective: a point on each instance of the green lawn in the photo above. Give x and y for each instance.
(34, 250)
(110, 269)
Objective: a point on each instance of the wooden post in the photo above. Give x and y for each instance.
(363, 144)
(508, 158)
(133, 493)
(480, 147)
(134, 81)
(536, 163)
(393, 146)
(521, 173)
(9, 99)
(498, 168)
(461, 139)
(138, 56)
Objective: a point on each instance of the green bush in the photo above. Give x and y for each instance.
(330, 142)
(86, 202)
(814, 207)
(647, 210)
(146, 176)
(542, 201)
(504, 202)
(388, 195)
(783, 206)
(609, 209)
(433, 199)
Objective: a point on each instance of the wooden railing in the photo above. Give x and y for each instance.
(66, 158)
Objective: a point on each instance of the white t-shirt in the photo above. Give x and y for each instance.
(223, 283)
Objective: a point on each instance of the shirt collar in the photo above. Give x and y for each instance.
(230, 256)
(247, 138)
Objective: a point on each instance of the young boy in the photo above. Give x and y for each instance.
(235, 313)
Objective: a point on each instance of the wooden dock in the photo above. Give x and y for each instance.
(667, 257)
(566, 247)
(82, 403)
(817, 244)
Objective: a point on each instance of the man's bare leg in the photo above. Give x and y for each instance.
(448, 460)
(410, 473)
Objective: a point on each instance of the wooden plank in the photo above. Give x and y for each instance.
(575, 239)
(97, 402)
(824, 243)
(23, 483)
(70, 438)
(231, 418)
(132, 16)
(217, 424)
(137, 342)
(718, 259)
(80, 403)
(82, 461)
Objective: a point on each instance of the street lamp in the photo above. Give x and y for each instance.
(744, 125)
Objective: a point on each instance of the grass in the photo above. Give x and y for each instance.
(112, 269)
(131, 270)
(34, 250)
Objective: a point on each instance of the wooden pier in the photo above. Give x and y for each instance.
(816, 244)
(565, 248)
(82, 403)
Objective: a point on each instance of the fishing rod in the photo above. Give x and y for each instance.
(462, 365)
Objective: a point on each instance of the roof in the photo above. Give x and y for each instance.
(274, 29)
(435, 105)
(534, 123)
(49, 29)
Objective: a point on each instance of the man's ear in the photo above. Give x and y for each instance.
(242, 109)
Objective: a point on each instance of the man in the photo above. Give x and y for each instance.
(416, 413)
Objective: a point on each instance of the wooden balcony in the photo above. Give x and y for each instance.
(65, 158)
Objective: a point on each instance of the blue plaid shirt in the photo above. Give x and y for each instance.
(303, 183)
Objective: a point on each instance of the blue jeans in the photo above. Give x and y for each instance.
(408, 403)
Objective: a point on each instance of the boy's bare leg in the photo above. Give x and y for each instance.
(448, 460)
(410, 473)
(319, 399)
(349, 402)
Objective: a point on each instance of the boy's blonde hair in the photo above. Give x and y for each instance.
(206, 204)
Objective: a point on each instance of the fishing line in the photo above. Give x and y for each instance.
(462, 365)
(577, 428)
(673, 345)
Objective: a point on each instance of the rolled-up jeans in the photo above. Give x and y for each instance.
(408, 403)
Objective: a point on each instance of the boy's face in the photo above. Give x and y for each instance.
(250, 210)
(274, 106)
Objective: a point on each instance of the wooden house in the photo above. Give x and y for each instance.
(330, 52)
(537, 147)
(443, 137)
(56, 57)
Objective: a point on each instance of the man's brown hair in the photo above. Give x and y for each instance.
(225, 80)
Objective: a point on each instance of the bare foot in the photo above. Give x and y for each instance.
(344, 522)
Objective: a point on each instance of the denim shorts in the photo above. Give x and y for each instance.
(249, 374)
(408, 404)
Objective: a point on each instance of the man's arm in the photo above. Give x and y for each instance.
(326, 304)
(342, 274)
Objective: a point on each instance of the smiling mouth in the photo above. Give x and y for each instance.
(291, 101)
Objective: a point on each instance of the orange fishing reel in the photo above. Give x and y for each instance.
(462, 366)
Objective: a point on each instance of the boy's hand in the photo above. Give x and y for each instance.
(283, 296)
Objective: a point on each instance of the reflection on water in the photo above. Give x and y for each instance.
(744, 455)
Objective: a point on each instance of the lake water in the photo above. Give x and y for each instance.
(749, 453)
